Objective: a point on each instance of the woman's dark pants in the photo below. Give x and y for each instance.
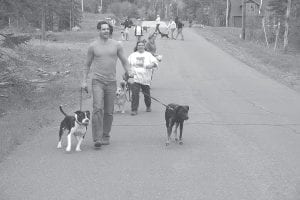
(136, 87)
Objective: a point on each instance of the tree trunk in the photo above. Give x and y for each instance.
(286, 32)
(277, 35)
(265, 32)
(71, 14)
(44, 21)
(243, 35)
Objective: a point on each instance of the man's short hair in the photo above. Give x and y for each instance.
(100, 23)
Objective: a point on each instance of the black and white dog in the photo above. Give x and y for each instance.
(74, 125)
(175, 115)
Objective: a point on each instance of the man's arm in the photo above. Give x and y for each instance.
(123, 59)
(87, 66)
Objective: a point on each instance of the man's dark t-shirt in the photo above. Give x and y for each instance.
(180, 25)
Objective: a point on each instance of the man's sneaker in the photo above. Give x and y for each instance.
(97, 144)
(148, 109)
(105, 141)
(133, 113)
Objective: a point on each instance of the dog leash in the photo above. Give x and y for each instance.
(155, 99)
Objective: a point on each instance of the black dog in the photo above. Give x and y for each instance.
(163, 34)
(76, 125)
(175, 114)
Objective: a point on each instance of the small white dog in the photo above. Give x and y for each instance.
(120, 99)
(159, 57)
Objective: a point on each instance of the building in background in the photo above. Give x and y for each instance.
(252, 10)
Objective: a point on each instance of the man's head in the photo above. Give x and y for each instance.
(105, 29)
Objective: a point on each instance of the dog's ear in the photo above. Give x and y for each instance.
(77, 112)
(187, 108)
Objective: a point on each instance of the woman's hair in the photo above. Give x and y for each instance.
(135, 48)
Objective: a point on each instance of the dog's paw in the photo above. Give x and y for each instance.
(68, 149)
(181, 142)
(167, 143)
(59, 146)
(78, 149)
(123, 112)
(176, 139)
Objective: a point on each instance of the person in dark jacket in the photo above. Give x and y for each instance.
(179, 26)
(127, 25)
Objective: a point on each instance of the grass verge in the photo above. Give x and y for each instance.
(282, 67)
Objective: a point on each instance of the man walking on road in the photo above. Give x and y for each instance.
(104, 52)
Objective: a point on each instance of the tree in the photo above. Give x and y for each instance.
(124, 9)
(40, 13)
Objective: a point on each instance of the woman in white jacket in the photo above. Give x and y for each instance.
(142, 63)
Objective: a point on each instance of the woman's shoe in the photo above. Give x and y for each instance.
(133, 113)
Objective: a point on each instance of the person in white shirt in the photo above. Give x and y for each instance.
(157, 24)
(142, 63)
(138, 30)
(172, 27)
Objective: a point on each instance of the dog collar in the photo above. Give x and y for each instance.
(81, 124)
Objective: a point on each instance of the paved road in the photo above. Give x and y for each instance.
(242, 140)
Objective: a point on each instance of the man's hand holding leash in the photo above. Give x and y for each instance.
(84, 86)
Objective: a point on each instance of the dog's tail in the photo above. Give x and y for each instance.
(61, 110)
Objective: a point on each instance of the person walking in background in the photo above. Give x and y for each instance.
(172, 27)
(190, 22)
(151, 47)
(157, 21)
(103, 53)
(138, 30)
(127, 25)
(141, 63)
(179, 26)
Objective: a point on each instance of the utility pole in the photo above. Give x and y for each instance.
(286, 32)
(227, 13)
(243, 35)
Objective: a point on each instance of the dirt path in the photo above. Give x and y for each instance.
(241, 141)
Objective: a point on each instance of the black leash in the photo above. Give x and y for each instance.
(156, 100)
(126, 77)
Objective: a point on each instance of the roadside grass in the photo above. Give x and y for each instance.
(25, 112)
(284, 68)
